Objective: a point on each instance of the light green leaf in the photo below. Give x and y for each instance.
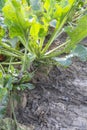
(1, 80)
(47, 4)
(35, 28)
(78, 33)
(1, 32)
(16, 18)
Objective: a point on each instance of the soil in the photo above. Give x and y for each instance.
(59, 101)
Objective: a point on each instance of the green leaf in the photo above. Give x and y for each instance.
(1, 80)
(26, 86)
(8, 82)
(13, 42)
(81, 52)
(66, 61)
(2, 2)
(2, 111)
(35, 28)
(64, 3)
(53, 23)
(60, 23)
(3, 92)
(2, 32)
(35, 4)
(9, 85)
(78, 33)
(26, 77)
(16, 18)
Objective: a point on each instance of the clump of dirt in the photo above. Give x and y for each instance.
(59, 101)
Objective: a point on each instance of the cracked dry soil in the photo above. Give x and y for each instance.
(59, 101)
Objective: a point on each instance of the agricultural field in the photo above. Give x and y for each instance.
(43, 64)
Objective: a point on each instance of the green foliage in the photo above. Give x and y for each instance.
(2, 2)
(24, 43)
(78, 33)
(80, 51)
(30, 27)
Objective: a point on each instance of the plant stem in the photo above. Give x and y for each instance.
(25, 56)
(41, 43)
(54, 35)
(53, 50)
(12, 63)
(6, 52)
(2, 69)
(4, 45)
(13, 112)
